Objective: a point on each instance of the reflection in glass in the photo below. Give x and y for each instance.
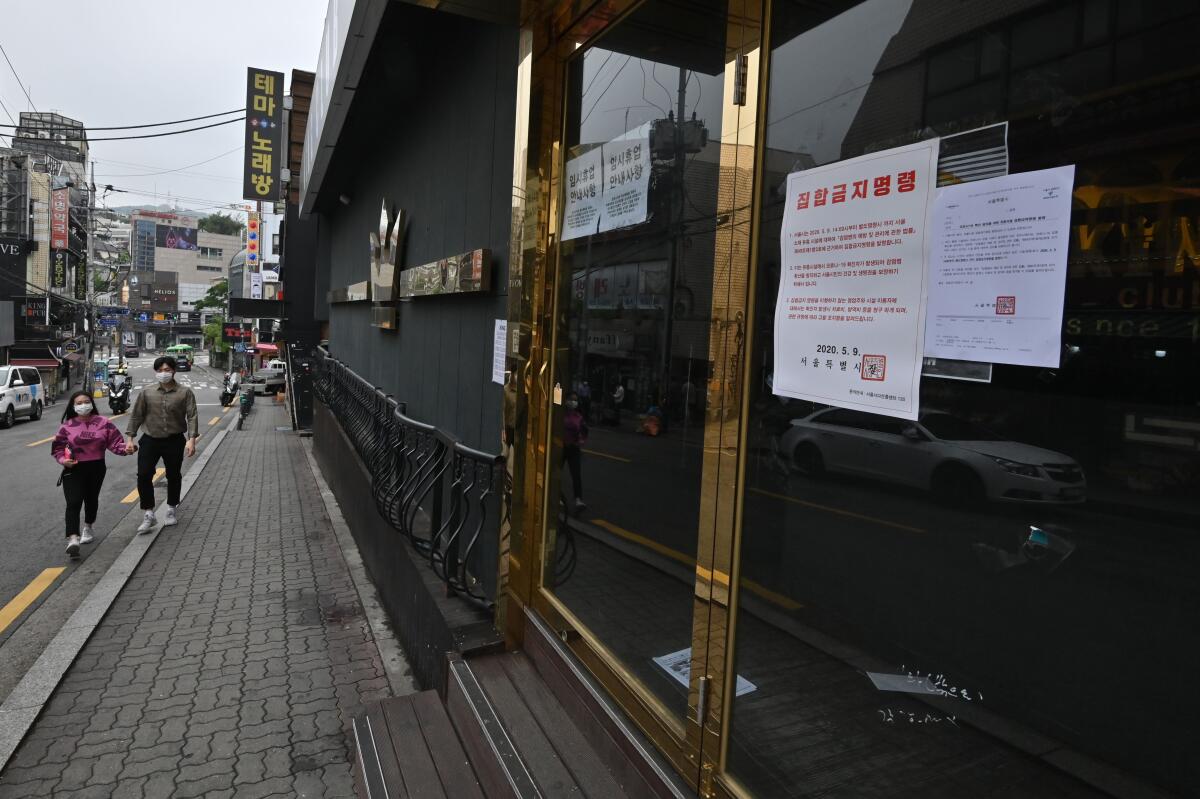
(1001, 598)
(641, 177)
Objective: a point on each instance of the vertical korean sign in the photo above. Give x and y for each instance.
(264, 135)
(60, 225)
(850, 317)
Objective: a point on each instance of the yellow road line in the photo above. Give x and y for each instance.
(18, 604)
(839, 511)
(227, 409)
(645, 542)
(39, 443)
(606, 455)
(213, 420)
(718, 577)
(132, 496)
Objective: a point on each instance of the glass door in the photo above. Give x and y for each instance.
(654, 211)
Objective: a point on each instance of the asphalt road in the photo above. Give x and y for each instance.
(1081, 648)
(31, 505)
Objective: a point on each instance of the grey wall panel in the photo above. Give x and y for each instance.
(439, 147)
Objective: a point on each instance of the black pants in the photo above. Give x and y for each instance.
(81, 486)
(572, 455)
(150, 449)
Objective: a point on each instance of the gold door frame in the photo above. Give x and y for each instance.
(551, 36)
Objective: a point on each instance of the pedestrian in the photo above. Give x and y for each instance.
(79, 447)
(618, 398)
(585, 400)
(575, 433)
(167, 411)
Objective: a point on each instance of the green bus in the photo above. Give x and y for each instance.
(182, 353)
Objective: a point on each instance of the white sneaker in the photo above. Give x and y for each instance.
(580, 505)
(85, 534)
(169, 517)
(148, 522)
(72, 545)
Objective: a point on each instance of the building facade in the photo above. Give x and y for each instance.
(991, 593)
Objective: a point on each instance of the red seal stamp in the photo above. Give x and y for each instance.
(1006, 306)
(874, 367)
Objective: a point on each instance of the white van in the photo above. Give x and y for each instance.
(20, 394)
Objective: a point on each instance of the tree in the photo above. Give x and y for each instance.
(213, 338)
(215, 296)
(220, 223)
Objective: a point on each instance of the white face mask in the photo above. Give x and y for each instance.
(83, 409)
(164, 377)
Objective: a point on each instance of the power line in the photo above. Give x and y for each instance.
(178, 169)
(89, 128)
(164, 169)
(157, 135)
(18, 77)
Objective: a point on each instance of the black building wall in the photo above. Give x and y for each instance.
(432, 131)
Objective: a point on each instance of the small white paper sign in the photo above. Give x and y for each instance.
(499, 348)
(626, 179)
(679, 666)
(998, 269)
(584, 177)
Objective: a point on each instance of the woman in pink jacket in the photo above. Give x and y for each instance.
(79, 447)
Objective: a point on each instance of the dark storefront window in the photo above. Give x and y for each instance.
(1001, 598)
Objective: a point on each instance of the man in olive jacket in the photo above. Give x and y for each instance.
(167, 412)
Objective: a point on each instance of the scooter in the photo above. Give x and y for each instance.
(118, 398)
(230, 390)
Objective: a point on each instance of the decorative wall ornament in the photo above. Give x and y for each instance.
(386, 246)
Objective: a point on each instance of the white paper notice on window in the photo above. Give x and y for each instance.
(998, 269)
(850, 316)
(499, 350)
(584, 177)
(626, 179)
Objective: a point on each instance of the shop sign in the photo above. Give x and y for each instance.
(469, 272)
(81, 280)
(233, 331)
(264, 135)
(58, 269)
(12, 256)
(850, 315)
(60, 213)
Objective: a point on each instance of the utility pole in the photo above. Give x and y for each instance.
(674, 239)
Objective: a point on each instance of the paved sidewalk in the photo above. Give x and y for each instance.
(234, 658)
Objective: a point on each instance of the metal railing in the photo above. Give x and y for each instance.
(447, 499)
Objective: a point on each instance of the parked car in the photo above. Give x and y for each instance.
(267, 381)
(131, 351)
(958, 461)
(276, 363)
(21, 394)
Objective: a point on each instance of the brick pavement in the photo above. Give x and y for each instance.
(234, 658)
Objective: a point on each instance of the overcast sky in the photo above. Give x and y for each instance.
(130, 62)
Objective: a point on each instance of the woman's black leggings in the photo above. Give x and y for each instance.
(81, 486)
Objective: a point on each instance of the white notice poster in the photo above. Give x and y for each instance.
(850, 317)
(626, 179)
(584, 177)
(998, 268)
(256, 286)
(499, 350)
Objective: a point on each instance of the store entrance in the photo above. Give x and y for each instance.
(656, 182)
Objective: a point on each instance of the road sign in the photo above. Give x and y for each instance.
(239, 347)
(142, 317)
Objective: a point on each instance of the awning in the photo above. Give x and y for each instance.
(40, 363)
(266, 348)
(73, 356)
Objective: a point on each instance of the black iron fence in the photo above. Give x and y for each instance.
(447, 499)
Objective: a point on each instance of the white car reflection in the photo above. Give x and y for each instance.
(958, 461)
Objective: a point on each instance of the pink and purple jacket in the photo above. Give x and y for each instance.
(88, 437)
